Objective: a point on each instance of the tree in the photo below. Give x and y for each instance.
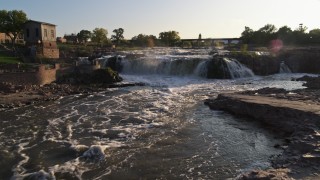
(299, 35)
(268, 29)
(285, 34)
(12, 22)
(170, 38)
(265, 34)
(118, 37)
(302, 28)
(144, 40)
(84, 36)
(314, 36)
(314, 32)
(247, 35)
(151, 40)
(99, 35)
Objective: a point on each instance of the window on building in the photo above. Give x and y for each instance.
(28, 33)
(52, 33)
(45, 33)
(37, 32)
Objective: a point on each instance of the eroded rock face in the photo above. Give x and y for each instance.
(115, 63)
(217, 69)
(259, 64)
(221, 67)
(299, 60)
(302, 60)
(281, 115)
(99, 76)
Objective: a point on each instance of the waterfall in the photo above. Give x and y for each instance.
(202, 69)
(177, 65)
(166, 66)
(284, 68)
(236, 69)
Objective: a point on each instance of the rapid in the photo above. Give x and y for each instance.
(161, 130)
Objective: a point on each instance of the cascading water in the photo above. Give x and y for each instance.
(237, 70)
(284, 68)
(167, 66)
(184, 66)
(158, 131)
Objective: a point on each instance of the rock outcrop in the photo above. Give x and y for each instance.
(102, 76)
(301, 60)
(293, 116)
(259, 64)
(221, 67)
(217, 69)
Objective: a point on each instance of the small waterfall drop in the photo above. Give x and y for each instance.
(231, 68)
(236, 69)
(167, 66)
(284, 68)
(202, 69)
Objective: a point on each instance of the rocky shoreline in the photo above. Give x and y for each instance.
(293, 116)
(15, 95)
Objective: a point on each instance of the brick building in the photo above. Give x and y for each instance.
(41, 37)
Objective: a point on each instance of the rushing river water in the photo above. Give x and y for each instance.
(158, 131)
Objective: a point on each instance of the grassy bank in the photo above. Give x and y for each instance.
(5, 59)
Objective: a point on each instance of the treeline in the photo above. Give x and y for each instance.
(99, 36)
(12, 24)
(269, 32)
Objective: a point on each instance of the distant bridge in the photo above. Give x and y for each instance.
(213, 40)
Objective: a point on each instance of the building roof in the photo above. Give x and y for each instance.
(39, 22)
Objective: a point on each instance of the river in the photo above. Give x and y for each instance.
(158, 131)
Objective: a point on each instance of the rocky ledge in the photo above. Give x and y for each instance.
(293, 116)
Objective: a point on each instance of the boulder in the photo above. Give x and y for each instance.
(217, 68)
(99, 76)
(115, 63)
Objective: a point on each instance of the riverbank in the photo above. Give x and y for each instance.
(293, 116)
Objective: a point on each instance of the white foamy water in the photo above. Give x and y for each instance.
(133, 132)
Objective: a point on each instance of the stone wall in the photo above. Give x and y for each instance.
(51, 53)
(46, 76)
(42, 76)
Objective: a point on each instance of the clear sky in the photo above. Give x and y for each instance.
(211, 18)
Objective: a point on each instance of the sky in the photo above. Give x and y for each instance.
(211, 18)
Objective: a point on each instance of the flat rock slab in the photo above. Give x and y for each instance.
(308, 107)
